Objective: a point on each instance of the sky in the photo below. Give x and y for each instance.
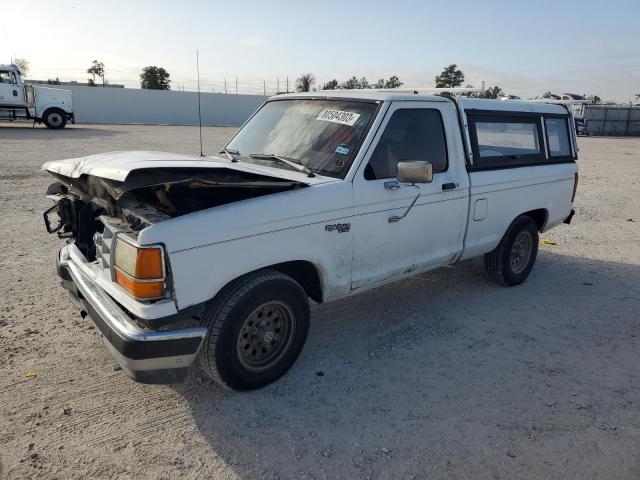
(527, 48)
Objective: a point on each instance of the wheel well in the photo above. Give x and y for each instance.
(44, 114)
(539, 216)
(305, 273)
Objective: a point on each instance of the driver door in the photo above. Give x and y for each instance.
(10, 91)
(431, 234)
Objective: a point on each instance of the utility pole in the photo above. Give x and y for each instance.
(287, 84)
(236, 85)
(278, 83)
(199, 107)
(264, 88)
(225, 86)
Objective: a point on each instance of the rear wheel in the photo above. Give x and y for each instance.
(257, 328)
(512, 260)
(55, 118)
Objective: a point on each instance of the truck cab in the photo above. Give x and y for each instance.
(18, 100)
(318, 196)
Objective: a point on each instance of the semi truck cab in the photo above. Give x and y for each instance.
(18, 100)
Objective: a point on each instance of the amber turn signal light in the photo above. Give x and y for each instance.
(149, 263)
(140, 289)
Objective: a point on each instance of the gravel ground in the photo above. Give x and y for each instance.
(443, 376)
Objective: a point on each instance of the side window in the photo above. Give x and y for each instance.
(503, 139)
(558, 137)
(506, 140)
(7, 77)
(410, 134)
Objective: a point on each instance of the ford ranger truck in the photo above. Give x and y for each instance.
(181, 259)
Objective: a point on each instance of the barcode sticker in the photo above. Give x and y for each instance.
(338, 116)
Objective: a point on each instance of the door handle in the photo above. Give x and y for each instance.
(396, 218)
(448, 186)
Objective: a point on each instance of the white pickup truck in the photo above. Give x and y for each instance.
(19, 101)
(180, 258)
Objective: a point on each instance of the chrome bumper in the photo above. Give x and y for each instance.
(146, 355)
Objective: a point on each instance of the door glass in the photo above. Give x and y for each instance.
(7, 77)
(411, 134)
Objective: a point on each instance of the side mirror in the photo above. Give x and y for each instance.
(415, 171)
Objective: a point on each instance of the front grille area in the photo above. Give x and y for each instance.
(105, 241)
(104, 246)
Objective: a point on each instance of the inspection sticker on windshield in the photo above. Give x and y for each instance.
(342, 149)
(339, 116)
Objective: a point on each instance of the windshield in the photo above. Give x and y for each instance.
(323, 135)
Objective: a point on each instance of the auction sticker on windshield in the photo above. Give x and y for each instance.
(338, 116)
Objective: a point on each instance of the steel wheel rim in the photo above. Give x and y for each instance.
(265, 336)
(55, 119)
(521, 251)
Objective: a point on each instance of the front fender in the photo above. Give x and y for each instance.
(210, 248)
(200, 273)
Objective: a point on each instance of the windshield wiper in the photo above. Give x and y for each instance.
(230, 152)
(272, 156)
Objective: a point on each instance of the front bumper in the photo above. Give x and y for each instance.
(147, 356)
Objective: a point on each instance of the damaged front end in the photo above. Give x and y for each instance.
(124, 286)
(146, 197)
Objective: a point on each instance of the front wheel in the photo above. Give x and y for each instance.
(54, 118)
(257, 328)
(511, 261)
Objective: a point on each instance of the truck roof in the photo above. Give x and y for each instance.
(465, 102)
(364, 94)
(11, 67)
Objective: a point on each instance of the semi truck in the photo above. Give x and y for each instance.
(20, 101)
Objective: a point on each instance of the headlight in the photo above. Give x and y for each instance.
(139, 270)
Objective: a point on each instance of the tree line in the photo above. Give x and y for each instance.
(450, 77)
(151, 77)
(157, 78)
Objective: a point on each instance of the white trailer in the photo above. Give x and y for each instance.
(51, 106)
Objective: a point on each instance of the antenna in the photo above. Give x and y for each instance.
(199, 107)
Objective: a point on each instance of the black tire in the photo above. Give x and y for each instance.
(55, 118)
(502, 264)
(225, 355)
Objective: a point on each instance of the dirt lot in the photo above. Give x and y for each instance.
(441, 376)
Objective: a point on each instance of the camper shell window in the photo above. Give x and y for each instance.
(517, 139)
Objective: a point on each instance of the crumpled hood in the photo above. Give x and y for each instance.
(118, 165)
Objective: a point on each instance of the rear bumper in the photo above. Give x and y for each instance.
(147, 356)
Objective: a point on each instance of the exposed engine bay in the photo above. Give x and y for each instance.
(147, 197)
